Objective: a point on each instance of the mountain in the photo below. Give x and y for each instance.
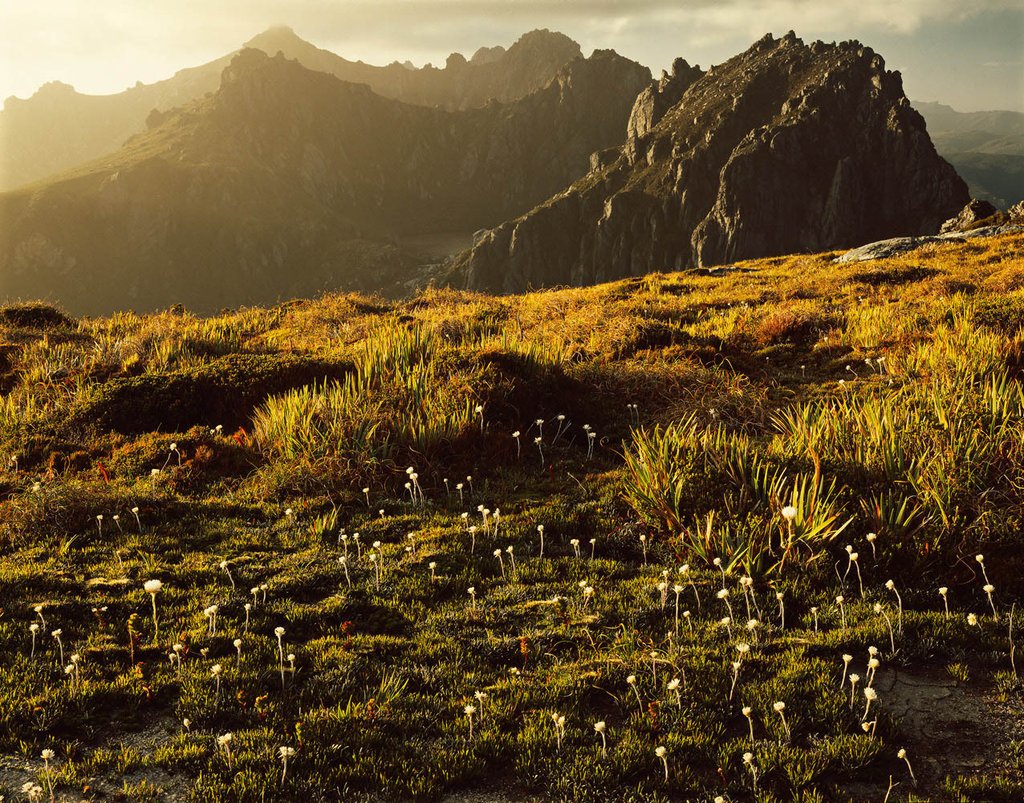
(990, 131)
(59, 128)
(493, 74)
(785, 148)
(287, 181)
(986, 148)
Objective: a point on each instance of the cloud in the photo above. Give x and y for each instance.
(109, 45)
(904, 16)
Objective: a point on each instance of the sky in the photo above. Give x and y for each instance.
(968, 54)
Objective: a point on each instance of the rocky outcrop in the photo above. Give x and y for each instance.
(652, 104)
(785, 148)
(287, 181)
(970, 216)
(901, 245)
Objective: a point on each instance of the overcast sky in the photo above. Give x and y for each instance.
(966, 53)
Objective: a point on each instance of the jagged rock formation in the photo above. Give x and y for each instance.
(785, 148)
(58, 128)
(653, 103)
(970, 216)
(287, 181)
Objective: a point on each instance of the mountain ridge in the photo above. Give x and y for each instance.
(287, 181)
(757, 158)
(35, 130)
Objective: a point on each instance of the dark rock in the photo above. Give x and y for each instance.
(970, 216)
(784, 148)
(659, 97)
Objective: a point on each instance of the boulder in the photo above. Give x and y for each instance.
(970, 216)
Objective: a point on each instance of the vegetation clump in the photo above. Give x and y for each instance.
(35, 315)
(226, 389)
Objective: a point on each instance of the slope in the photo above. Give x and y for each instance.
(883, 403)
(986, 148)
(288, 181)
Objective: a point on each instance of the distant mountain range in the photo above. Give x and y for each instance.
(986, 148)
(282, 169)
(286, 181)
(59, 128)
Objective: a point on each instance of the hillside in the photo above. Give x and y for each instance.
(995, 177)
(59, 128)
(287, 181)
(785, 147)
(986, 148)
(843, 439)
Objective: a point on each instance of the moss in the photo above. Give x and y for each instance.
(1004, 313)
(222, 392)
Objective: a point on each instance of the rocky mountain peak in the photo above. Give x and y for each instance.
(277, 37)
(55, 89)
(487, 55)
(247, 61)
(35, 131)
(658, 98)
(48, 94)
(544, 44)
(286, 180)
(784, 148)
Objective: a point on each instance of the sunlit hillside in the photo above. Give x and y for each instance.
(628, 542)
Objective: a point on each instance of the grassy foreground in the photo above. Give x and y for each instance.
(630, 542)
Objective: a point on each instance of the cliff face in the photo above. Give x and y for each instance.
(58, 128)
(287, 181)
(784, 148)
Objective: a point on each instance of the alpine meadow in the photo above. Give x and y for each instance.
(528, 428)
